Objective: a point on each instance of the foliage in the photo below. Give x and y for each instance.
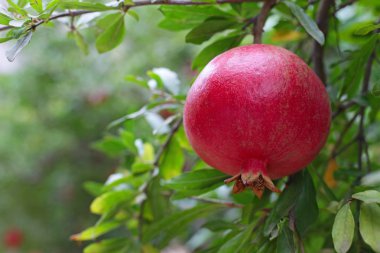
(162, 192)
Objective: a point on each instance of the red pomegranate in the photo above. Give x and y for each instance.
(13, 238)
(257, 112)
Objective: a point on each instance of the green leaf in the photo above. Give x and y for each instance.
(4, 19)
(52, 4)
(81, 43)
(182, 139)
(288, 199)
(37, 5)
(172, 160)
(110, 145)
(20, 44)
(208, 28)
(161, 232)
(237, 242)
(197, 180)
(285, 240)
(2, 40)
(93, 232)
(219, 225)
(88, 6)
(214, 49)
(156, 200)
(110, 201)
(15, 8)
(128, 140)
(186, 17)
(95, 189)
(343, 229)
(364, 30)
(370, 196)
(306, 208)
(133, 14)
(113, 33)
(307, 23)
(130, 116)
(370, 225)
(136, 80)
(116, 245)
(354, 73)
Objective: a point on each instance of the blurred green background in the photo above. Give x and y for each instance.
(54, 103)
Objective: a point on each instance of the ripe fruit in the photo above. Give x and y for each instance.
(257, 112)
(13, 238)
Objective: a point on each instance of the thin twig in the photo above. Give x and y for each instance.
(342, 134)
(318, 50)
(156, 163)
(260, 21)
(160, 152)
(362, 143)
(344, 147)
(343, 107)
(137, 3)
(344, 5)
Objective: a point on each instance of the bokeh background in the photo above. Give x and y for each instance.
(55, 102)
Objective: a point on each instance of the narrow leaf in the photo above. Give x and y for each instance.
(14, 7)
(285, 241)
(116, 245)
(172, 160)
(306, 208)
(93, 232)
(356, 68)
(207, 29)
(214, 49)
(2, 40)
(81, 43)
(4, 19)
(110, 201)
(343, 229)
(364, 30)
(370, 196)
(75, 5)
(198, 179)
(186, 17)
(20, 44)
(286, 201)
(113, 34)
(237, 242)
(370, 225)
(36, 5)
(161, 232)
(307, 23)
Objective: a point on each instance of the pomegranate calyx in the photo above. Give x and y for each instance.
(255, 181)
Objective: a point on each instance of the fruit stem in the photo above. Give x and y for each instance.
(254, 176)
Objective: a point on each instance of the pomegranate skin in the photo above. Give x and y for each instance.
(257, 107)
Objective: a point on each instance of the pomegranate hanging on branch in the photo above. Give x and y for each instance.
(257, 113)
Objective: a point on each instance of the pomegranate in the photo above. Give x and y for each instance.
(257, 113)
(13, 238)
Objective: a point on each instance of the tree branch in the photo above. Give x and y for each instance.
(137, 3)
(342, 134)
(318, 50)
(362, 143)
(341, 108)
(156, 163)
(260, 21)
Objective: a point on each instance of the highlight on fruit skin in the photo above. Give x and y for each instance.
(257, 113)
